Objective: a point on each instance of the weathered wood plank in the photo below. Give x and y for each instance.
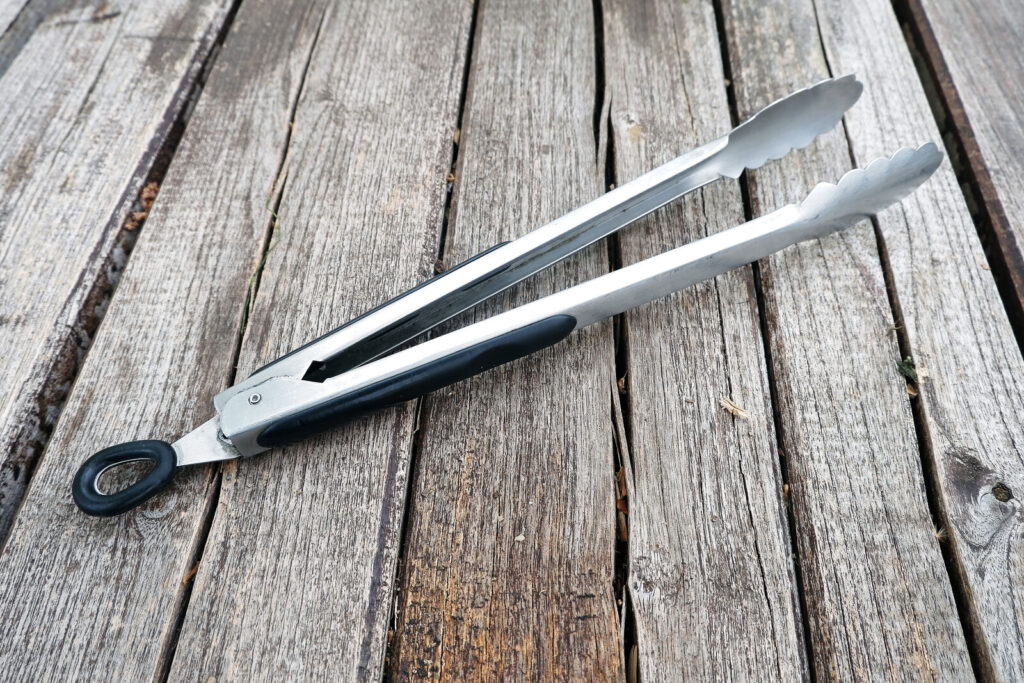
(974, 48)
(98, 599)
(878, 597)
(508, 566)
(18, 21)
(956, 328)
(71, 166)
(9, 10)
(711, 574)
(298, 573)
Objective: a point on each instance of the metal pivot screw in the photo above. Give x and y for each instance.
(254, 399)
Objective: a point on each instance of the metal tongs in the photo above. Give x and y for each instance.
(348, 372)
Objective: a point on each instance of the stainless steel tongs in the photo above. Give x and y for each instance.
(349, 371)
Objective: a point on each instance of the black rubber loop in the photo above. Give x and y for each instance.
(87, 495)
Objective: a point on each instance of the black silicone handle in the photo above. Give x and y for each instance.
(87, 495)
(422, 380)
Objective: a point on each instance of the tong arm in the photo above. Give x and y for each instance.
(295, 409)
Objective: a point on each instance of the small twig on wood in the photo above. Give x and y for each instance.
(191, 574)
(734, 409)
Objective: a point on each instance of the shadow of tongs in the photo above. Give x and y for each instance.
(355, 369)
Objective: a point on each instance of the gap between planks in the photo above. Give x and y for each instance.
(166, 659)
(964, 151)
(944, 412)
(129, 217)
(804, 636)
(390, 655)
(997, 239)
(619, 412)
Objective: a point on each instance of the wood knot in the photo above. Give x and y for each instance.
(1002, 492)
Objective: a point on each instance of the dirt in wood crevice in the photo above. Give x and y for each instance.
(448, 212)
(36, 423)
(620, 415)
(1002, 492)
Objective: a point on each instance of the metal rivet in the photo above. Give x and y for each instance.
(254, 399)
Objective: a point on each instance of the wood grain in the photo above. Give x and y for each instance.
(878, 596)
(973, 48)
(956, 328)
(509, 558)
(98, 599)
(71, 166)
(297, 577)
(711, 574)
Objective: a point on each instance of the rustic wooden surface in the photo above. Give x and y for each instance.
(508, 565)
(711, 575)
(107, 592)
(955, 327)
(988, 120)
(843, 529)
(360, 219)
(71, 167)
(845, 421)
(981, 84)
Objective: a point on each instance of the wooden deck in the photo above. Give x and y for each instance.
(190, 188)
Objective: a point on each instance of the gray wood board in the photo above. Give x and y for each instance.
(509, 564)
(18, 21)
(71, 166)
(878, 596)
(98, 599)
(956, 329)
(297, 577)
(711, 574)
(975, 47)
(9, 10)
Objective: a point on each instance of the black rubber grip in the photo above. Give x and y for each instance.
(87, 495)
(430, 377)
